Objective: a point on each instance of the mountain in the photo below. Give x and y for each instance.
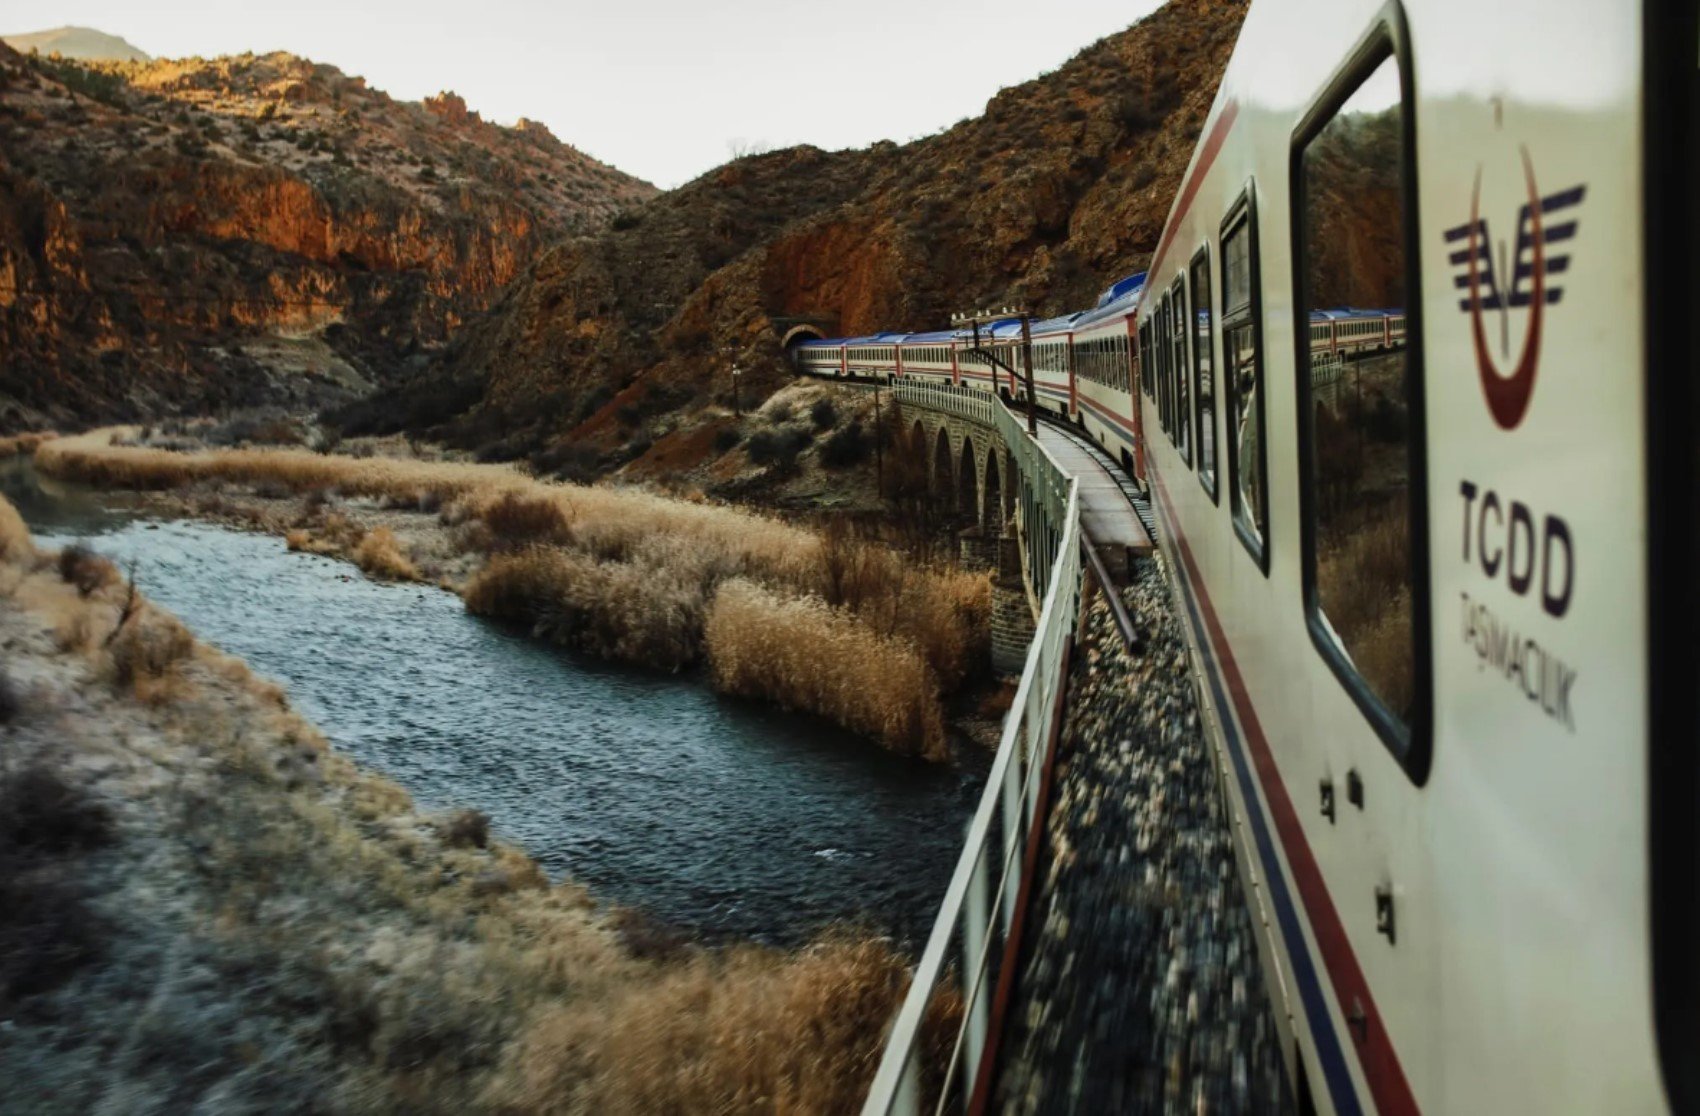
(1058, 189)
(192, 235)
(81, 43)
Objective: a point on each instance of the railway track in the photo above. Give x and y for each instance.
(1129, 488)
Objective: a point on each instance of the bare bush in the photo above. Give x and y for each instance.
(83, 568)
(148, 653)
(466, 829)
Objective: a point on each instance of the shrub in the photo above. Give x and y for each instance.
(805, 655)
(83, 568)
(379, 553)
(47, 930)
(466, 829)
(147, 653)
(779, 447)
(823, 414)
(726, 438)
(846, 446)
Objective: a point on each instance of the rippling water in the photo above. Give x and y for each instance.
(717, 815)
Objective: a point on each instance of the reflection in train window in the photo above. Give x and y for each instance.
(1361, 585)
(1248, 491)
(1178, 369)
(1203, 377)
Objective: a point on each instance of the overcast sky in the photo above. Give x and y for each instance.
(659, 88)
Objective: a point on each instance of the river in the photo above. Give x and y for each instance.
(721, 817)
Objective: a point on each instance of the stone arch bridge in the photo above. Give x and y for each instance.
(982, 472)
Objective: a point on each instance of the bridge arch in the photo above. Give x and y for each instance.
(992, 514)
(944, 483)
(967, 499)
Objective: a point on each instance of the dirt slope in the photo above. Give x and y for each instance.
(1058, 189)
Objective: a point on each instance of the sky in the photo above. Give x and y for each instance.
(663, 89)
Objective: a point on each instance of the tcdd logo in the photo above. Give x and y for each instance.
(1535, 268)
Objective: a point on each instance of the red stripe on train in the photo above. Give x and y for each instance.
(1380, 1062)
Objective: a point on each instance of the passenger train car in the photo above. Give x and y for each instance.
(1434, 558)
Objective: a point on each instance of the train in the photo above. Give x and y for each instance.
(1409, 383)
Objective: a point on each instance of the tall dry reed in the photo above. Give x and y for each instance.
(617, 610)
(804, 654)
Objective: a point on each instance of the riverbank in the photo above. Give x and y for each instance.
(617, 572)
(206, 905)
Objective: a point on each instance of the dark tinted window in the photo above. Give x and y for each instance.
(1204, 378)
(1248, 492)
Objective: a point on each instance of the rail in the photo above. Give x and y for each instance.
(975, 406)
(979, 919)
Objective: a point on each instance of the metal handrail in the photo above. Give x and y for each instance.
(981, 915)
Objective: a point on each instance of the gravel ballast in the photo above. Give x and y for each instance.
(1141, 989)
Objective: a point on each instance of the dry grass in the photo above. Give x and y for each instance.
(147, 654)
(24, 443)
(804, 654)
(379, 553)
(376, 961)
(14, 534)
(732, 1033)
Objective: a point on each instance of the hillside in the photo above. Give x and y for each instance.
(84, 44)
(187, 236)
(1059, 188)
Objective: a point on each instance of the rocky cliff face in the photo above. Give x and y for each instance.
(191, 235)
(1061, 187)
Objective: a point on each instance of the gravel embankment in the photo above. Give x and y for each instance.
(1142, 990)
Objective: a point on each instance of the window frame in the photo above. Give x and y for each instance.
(1214, 485)
(1244, 212)
(1411, 744)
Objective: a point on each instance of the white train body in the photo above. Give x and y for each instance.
(1505, 833)
(1471, 843)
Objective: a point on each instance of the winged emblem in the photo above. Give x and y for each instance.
(1534, 264)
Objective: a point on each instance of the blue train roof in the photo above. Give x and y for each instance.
(936, 337)
(1061, 324)
(1121, 289)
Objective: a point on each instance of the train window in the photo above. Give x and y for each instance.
(1361, 495)
(1203, 376)
(1242, 343)
(1162, 333)
(1178, 370)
